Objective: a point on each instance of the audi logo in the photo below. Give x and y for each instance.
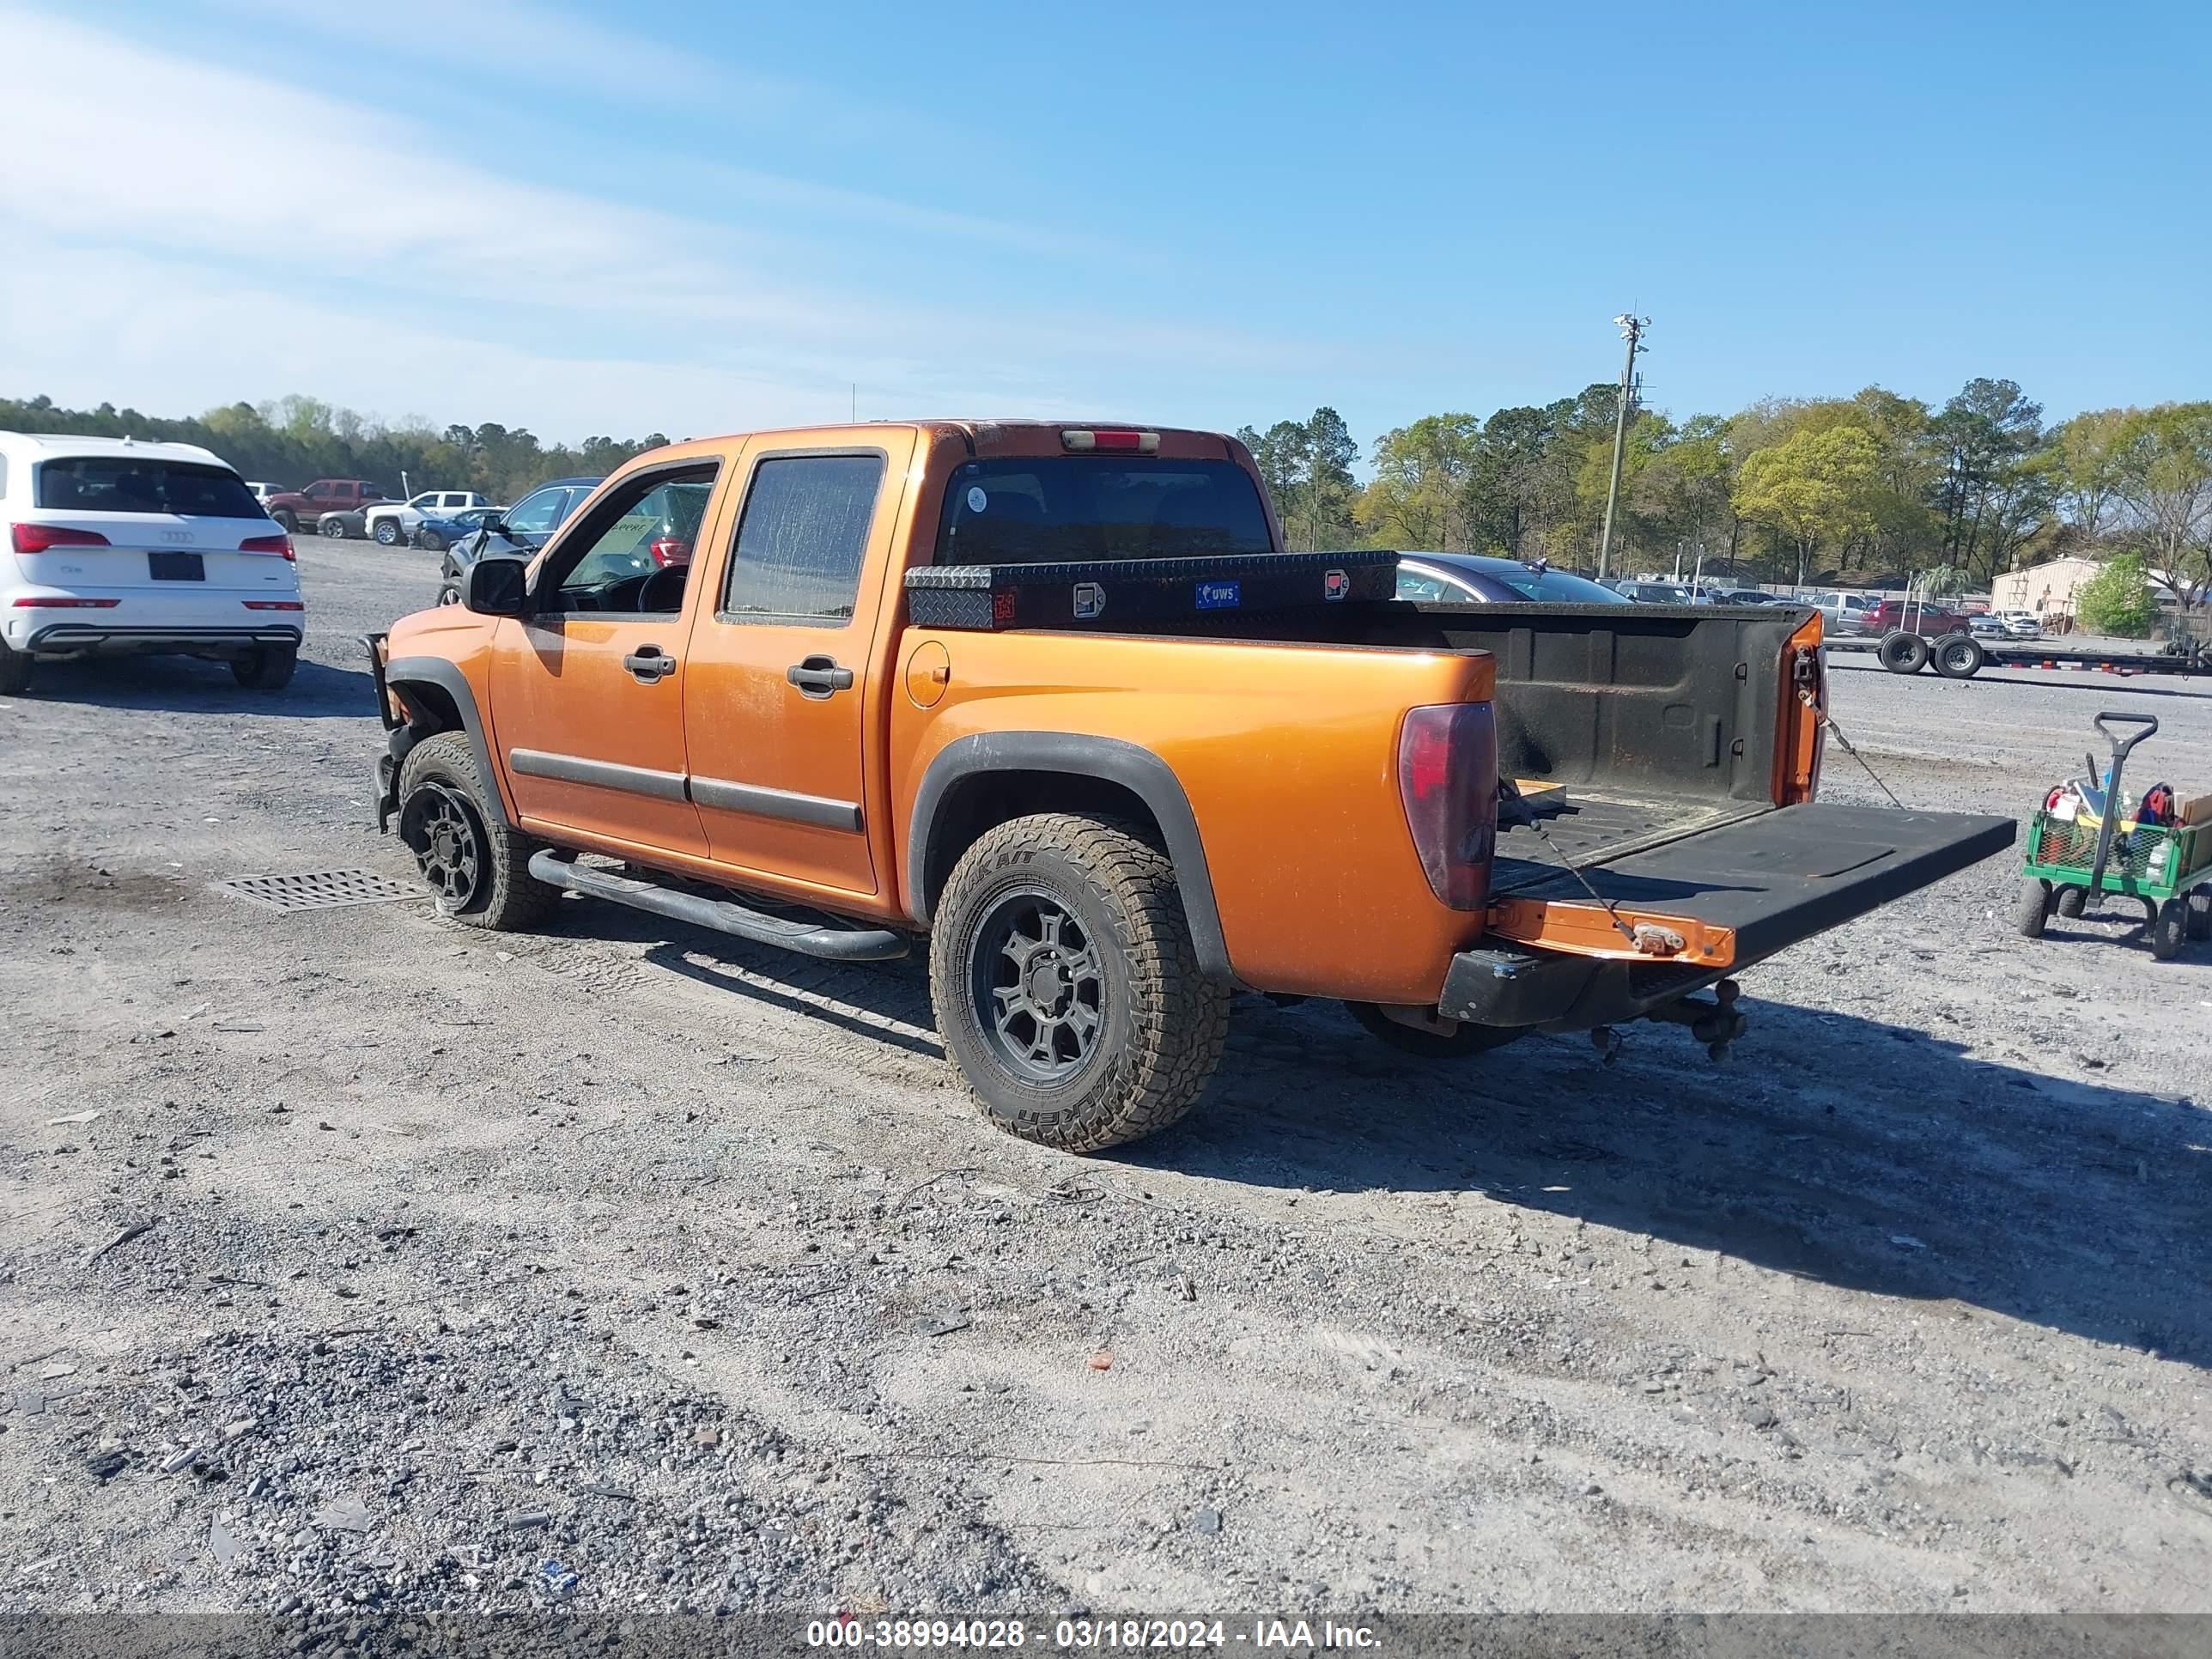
(176, 535)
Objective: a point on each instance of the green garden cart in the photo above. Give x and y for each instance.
(2165, 867)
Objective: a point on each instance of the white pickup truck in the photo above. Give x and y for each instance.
(392, 523)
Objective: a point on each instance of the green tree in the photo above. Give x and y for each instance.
(1419, 497)
(1814, 487)
(2165, 483)
(1991, 495)
(2088, 463)
(1307, 465)
(2117, 600)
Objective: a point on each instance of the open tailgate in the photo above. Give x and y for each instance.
(1703, 904)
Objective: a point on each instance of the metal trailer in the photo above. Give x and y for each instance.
(1962, 656)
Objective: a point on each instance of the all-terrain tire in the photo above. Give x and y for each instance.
(269, 668)
(2072, 900)
(2034, 907)
(15, 670)
(1469, 1040)
(1160, 1022)
(504, 898)
(1902, 652)
(2198, 904)
(2169, 930)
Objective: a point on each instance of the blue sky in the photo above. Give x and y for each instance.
(701, 218)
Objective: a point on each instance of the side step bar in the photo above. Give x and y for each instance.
(722, 915)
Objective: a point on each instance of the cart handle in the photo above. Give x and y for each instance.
(2121, 746)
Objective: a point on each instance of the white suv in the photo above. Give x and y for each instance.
(394, 523)
(110, 547)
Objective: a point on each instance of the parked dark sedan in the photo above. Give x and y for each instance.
(521, 529)
(1477, 579)
(346, 526)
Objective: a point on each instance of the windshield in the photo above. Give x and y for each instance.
(130, 484)
(1037, 510)
(1555, 587)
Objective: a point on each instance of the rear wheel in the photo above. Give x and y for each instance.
(450, 819)
(2072, 900)
(1959, 658)
(14, 670)
(2169, 928)
(268, 668)
(1067, 986)
(1469, 1039)
(332, 527)
(2034, 907)
(2199, 907)
(1902, 652)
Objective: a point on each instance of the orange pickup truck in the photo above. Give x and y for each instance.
(1052, 701)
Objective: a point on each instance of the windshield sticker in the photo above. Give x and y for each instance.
(977, 500)
(1089, 600)
(1219, 596)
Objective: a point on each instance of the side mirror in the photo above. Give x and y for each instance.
(497, 588)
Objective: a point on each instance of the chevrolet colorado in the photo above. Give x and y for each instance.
(1052, 703)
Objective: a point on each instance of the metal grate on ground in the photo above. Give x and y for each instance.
(321, 889)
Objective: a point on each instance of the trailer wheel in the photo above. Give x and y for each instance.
(1468, 1039)
(2168, 929)
(2034, 907)
(1902, 652)
(1959, 658)
(2199, 905)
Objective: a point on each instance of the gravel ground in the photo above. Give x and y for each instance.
(628, 1267)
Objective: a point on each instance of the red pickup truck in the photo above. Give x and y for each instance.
(295, 507)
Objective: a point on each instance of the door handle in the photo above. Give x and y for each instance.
(648, 664)
(818, 677)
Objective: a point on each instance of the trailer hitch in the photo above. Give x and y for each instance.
(1715, 1023)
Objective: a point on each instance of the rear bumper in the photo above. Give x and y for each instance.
(75, 639)
(1775, 880)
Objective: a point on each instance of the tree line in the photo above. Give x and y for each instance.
(292, 440)
(1866, 490)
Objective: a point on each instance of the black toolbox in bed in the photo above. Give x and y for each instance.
(1111, 593)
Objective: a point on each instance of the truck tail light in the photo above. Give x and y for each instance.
(280, 545)
(38, 538)
(1447, 779)
(274, 604)
(1083, 441)
(669, 549)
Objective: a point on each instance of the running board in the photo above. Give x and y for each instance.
(722, 915)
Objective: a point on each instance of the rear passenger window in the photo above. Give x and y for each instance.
(801, 540)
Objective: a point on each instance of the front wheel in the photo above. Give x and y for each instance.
(387, 534)
(1067, 986)
(1467, 1041)
(2169, 928)
(2072, 900)
(2034, 907)
(450, 818)
(2198, 904)
(286, 521)
(1902, 652)
(429, 541)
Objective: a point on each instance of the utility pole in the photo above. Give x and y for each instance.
(1632, 329)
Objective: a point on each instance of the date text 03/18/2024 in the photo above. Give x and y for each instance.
(1260, 1634)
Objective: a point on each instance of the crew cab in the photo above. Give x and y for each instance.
(1052, 704)
(393, 524)
(116, 548)
(308, 505)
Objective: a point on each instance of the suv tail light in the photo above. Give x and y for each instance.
(280, 545)
(1447, 779)
(38, 538)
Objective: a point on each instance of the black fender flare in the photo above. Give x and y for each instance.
(1111, 760)
(402, 672)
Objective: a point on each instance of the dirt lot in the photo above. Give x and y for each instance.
(629, 1267)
